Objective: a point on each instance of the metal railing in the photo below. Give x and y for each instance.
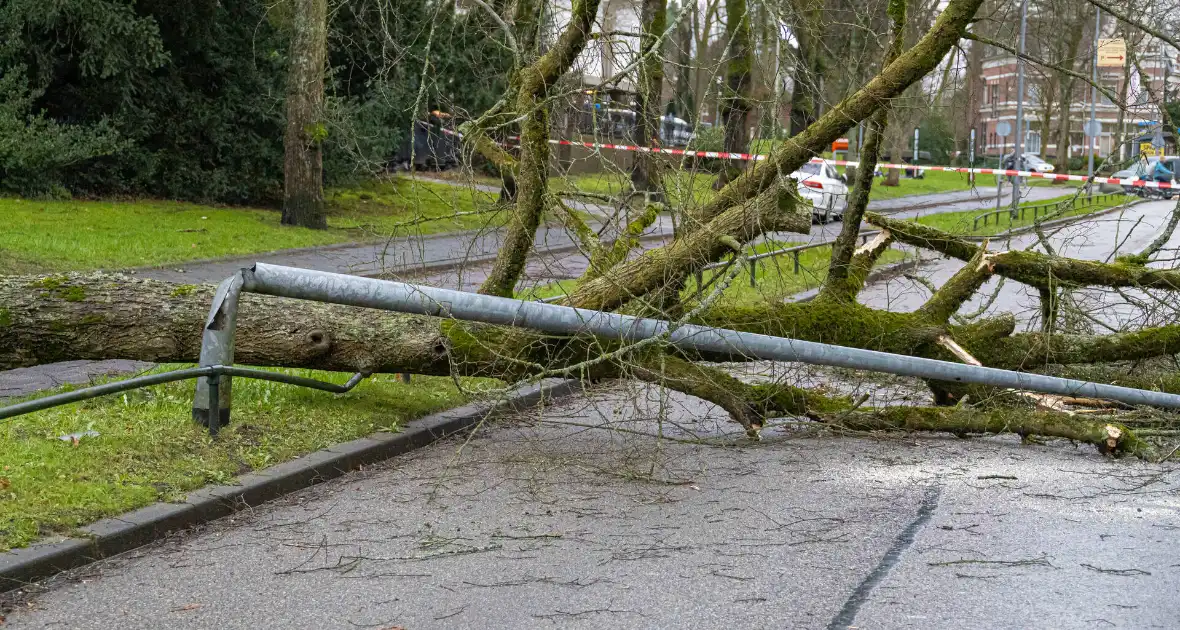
(212, 402)
(753, 260)
(212, 373)
(793, 251)
(1043, 211)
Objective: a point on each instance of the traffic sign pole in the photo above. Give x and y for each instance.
(1018, 154)
(1093, 98)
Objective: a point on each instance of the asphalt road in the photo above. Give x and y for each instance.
(563, 520)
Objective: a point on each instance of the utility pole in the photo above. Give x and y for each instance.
(1093, 98)
(1018, 154)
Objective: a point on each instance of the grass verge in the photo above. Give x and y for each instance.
(148, 449)
(48, 236)
(964, 222)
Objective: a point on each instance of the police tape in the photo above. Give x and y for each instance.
(756, 157)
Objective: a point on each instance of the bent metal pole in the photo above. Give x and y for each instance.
(408, 298)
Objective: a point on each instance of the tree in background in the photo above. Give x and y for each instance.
(303, 165)
(809, 69)
(735, 102)
(649, 93)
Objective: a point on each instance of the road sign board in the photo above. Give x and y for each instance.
(1092, 128)
(1003, 128)
(1112, 53)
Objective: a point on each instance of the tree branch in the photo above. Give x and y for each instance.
(1041, 62)
(911, 66)
(1032, 268)
(1133, 22)
(858, 201)
(776, 209)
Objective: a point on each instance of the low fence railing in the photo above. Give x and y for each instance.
(213, 400)
(1043, 211)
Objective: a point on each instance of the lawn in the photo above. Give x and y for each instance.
(148, 449)
(775, 278)
(43, 236)
(964, 222)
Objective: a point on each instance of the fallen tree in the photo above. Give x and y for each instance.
(96, 316)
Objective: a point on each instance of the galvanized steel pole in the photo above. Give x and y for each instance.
(408, 298)
(1018, 153)
(1093, 144)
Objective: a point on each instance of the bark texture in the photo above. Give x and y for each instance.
(303, 172)
(645, 175)
(735, 102)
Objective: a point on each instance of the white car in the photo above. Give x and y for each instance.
(826, 189)
(1030, 162)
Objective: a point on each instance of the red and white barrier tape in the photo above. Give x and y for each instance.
(949, 169)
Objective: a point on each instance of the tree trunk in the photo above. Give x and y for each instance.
(1065, 99)
(683, 105)
(806, 94)
(303, 171)
(654, 18)
(735, 102)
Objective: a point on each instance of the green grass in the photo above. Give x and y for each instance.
(684, 187)
(964, 222)
(45, 236)
(943, 181)
(775, 278)
(148, 448)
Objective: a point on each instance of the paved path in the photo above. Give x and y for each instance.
(1094, 239)
(978, 199)
(539, 523)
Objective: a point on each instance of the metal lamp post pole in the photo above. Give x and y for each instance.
(1093, 99)
(1018, 153)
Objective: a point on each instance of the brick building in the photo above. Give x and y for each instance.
(997, 98)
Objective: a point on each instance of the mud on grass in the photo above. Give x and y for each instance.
(148, 448)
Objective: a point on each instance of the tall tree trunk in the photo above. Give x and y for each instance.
(1120, 131)
(1065, 98)
(683, 104)
(654, 18)
(735, 104)
(303, 169)
(975, 86)
(805, 94)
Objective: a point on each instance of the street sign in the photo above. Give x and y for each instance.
(1112, 53)
(1145, 149)
(1093, 128)
(1003, 128)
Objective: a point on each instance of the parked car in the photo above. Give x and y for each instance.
(675, 132)
(1029, 162)
(825, 189)
(1142, 170)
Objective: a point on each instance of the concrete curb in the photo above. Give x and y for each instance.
(116, 535)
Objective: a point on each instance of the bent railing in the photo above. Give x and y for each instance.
(213, 399)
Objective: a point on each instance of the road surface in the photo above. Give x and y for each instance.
(542, 522)
(1097, 239)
